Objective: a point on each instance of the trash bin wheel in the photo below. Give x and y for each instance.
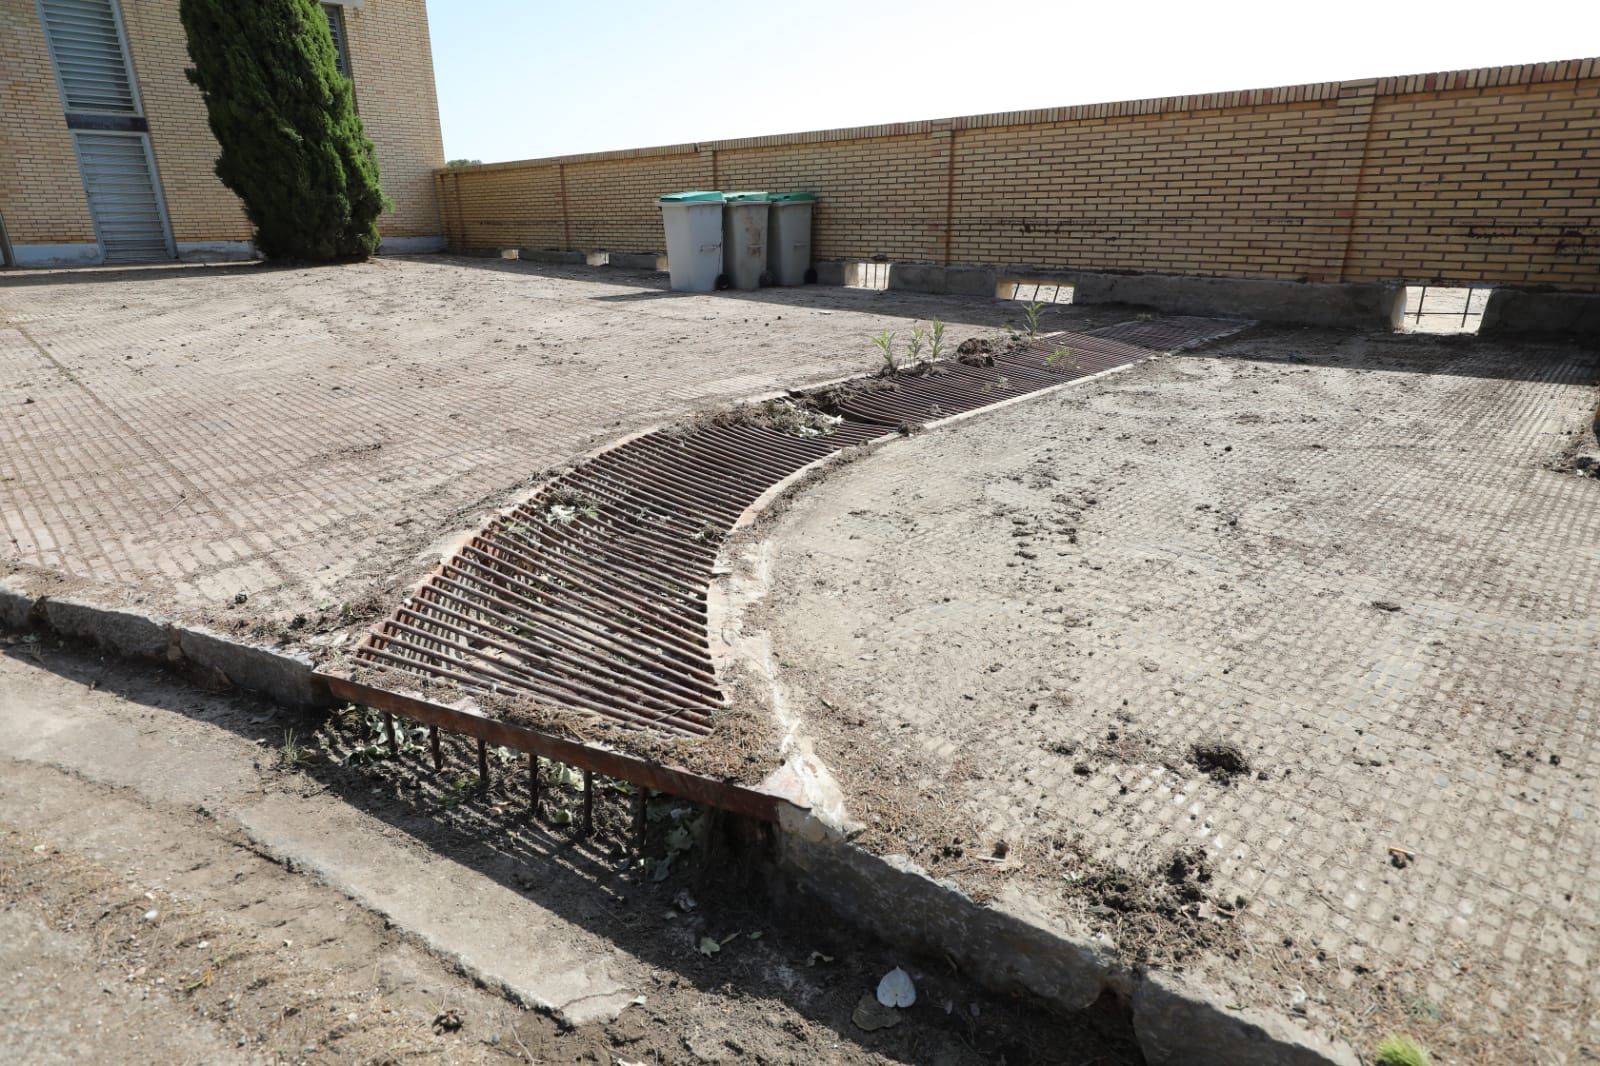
(723, 282)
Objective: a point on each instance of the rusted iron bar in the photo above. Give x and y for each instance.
(588, 803)
(670, 780)
(533, 785)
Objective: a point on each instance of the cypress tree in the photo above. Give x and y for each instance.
(293, 147)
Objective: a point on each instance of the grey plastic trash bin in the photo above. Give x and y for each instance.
(789, 237)
(744, 239)
(693, 224)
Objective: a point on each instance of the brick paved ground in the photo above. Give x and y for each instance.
(179, 437)
(1350, 557)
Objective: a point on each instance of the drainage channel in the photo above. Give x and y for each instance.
(590, 597)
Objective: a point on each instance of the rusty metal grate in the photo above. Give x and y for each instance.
(1174, 333)
(591, 596)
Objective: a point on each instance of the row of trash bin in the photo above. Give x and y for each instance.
(741, 240)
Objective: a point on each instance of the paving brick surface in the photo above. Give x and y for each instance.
(1353, 558)
(182, 437)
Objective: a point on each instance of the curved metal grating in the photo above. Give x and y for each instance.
(591, 596)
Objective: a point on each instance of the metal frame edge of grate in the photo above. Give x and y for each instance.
(591, 595)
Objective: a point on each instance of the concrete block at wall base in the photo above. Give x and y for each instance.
(1179, 1024)
(16, 604)
(217, 251)
(545, 255)
(969, 280)
(284, 676)
(56, 255)
(1517, 313)
(636, 260)
(919, 277)
(410, 245)
(902, 904)
(128, 633)
(829, 272)
(1344, 306)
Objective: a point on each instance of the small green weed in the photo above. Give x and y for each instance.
(1395, 1050)
(1031, 310)
(936, 340)
(885, 343)
(293, 753)
(1061, 358)
(914, 346)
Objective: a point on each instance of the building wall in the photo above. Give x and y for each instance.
(1479, 176)
(200, 208)
(41, 197)
(41, 192)
(391, 62)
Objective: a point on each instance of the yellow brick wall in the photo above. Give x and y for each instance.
(40, 194)
(1488, 176)
(391, 63)
(1488, 182)
(518, 208)
(199, 206)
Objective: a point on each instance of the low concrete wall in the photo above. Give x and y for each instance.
(1007, 948)
(1518, 313)
(637, 261)
(410, 245)
(544, 255)
(286, 677)
(55, 255)
(217, 251)
(1349, 306)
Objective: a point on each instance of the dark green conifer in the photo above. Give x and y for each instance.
(293, 147)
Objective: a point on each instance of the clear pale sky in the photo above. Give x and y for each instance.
(519, 79)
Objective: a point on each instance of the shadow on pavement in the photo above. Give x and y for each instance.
(597, 883)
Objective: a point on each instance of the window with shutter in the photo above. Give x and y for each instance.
(341, 52)
(85, 38)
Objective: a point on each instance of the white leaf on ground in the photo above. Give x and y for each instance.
(709, 946)
(896, 989)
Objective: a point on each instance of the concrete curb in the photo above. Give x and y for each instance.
(1009, 948)
(285, 677)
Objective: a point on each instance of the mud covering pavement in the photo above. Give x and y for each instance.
(1264, 666)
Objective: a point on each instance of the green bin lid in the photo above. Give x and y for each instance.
(692, 198)
(745, 197)
(791, 197)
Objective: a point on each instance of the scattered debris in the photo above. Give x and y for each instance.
(1386, 605)
(1220, 760)
(1400, 858)
(895, 989)
(448, 1020)
(870, 1015)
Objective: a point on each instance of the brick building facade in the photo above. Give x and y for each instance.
(106, 156)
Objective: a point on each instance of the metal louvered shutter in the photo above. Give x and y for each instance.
(86, 44)
(341, 51)
(120, 181)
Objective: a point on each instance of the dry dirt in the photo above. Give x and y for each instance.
(281, 452)
(1268, 662)
(144, 920)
